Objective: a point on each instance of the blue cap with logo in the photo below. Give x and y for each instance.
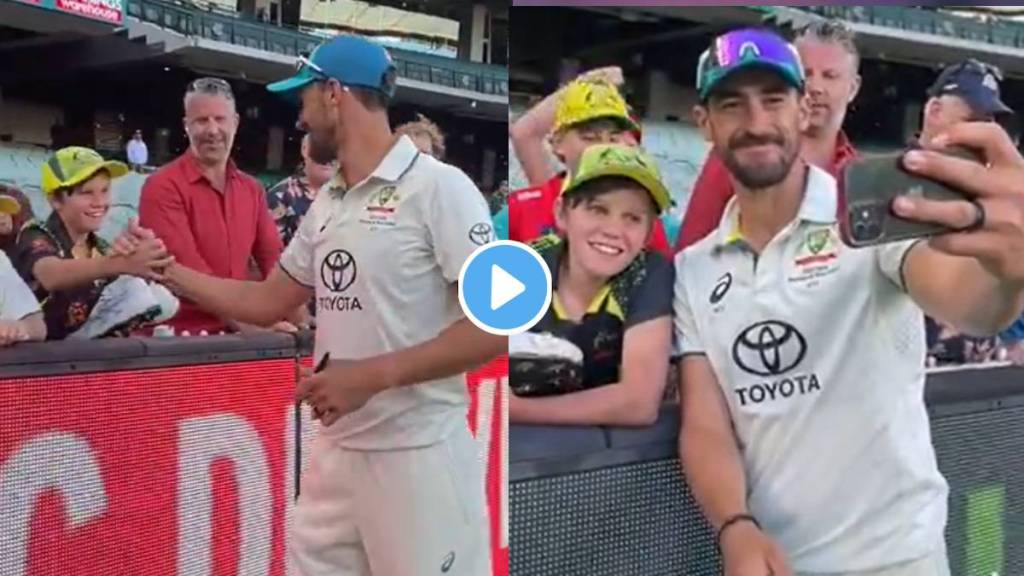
(351, 60)
(977, 83)
(743, 49)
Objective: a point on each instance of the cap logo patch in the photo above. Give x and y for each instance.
(749, 50)
(990, 82)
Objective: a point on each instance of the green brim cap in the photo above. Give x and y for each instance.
(605, 160)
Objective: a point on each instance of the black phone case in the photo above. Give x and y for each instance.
(872, 183)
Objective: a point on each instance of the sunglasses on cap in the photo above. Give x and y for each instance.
(750, 46)
(208, 85)
(304, 61)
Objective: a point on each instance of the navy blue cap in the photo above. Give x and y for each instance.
(351, 60)
(977, 83)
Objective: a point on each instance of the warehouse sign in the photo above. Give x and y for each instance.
(111, 11)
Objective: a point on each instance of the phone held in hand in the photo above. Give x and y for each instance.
(872, 183)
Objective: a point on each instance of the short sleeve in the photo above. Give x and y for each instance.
(891, 258)
(688, 338)
(16, 300)
(653, 298)
(458, 220)
(33, 245)
(297, 260)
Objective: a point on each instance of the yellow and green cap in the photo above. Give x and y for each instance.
(583, 101)
(75, 164)
(9, 205)
(606, 160)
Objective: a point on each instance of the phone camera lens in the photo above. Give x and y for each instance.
(867, 224)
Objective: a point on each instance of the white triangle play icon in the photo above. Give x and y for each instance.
(504, 287)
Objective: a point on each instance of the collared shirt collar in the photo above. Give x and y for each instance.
(844, 152)
(392, 167)
(818, 205)
(397, 161)
(194, 173)
(55, 226)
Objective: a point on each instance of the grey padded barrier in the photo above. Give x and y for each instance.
(612, 502)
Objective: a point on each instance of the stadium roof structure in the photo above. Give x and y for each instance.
(908, 34)
(443, 8)
(230, 46)
(916, 35)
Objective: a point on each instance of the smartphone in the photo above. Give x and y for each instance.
(873, 182)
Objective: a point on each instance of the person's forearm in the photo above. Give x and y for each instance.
(715, 474)
(528, 133)
(236, 301)
(611, 405)
(999, 310)
(35, 326)
(457, 349)
(55, 274)
(994, 305)
(971, 298)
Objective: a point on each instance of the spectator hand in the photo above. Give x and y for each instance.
(609, 74)
(343, 387)
(147, 260)
(1015, 353)
(997, 187)
(12, 332)
(747, 551)
(130, 238)
(284, 326)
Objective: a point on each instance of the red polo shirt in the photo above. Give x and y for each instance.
(714, 189)
(209, 231)
(531, 214)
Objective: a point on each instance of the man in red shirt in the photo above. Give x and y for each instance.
(587, 111)
(831, 61)
(211, 216)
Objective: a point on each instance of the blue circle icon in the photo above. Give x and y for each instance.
(504, 287)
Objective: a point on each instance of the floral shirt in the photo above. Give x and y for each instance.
(288, 201)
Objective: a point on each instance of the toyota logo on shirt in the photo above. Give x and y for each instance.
(338, 270)
(769, 348)
(481, 233)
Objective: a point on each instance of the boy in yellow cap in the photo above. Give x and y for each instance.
(611, 299)
(589, 110)
(20, 316)
(86, 289)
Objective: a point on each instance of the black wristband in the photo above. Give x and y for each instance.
(734, 519)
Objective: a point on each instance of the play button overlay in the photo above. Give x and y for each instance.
(504, 287)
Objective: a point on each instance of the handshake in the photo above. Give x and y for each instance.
(138, 252)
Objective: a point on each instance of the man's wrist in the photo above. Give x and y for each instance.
(733, 522)
(390, 370)
(113, 265)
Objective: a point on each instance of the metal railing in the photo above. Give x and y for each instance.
(995, 31)
(243, 31)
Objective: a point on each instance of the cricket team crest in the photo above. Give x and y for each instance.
(380, 208)
(817, 256)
